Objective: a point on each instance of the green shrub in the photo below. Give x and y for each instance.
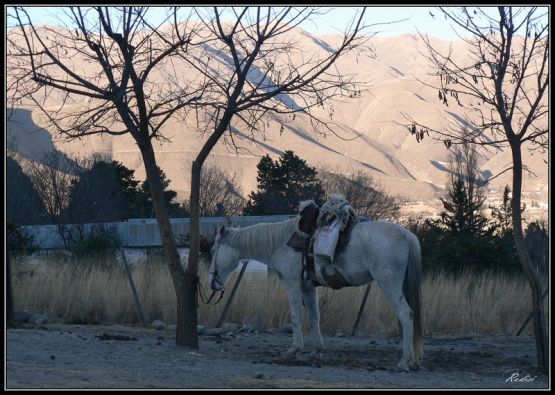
(19, 242)
(100, 242)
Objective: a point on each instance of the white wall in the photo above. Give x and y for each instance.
(145, 232)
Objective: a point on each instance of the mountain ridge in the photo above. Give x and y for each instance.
(385, 150)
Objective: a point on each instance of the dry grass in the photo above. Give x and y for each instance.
(82, 291)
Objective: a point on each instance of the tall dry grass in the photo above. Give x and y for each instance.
(89, 291)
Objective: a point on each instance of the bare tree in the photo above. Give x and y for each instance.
(260, 73)
(109, 71)
(115, 73)
(361, 192)
(501, 91)
(220, 193)
(51, 179)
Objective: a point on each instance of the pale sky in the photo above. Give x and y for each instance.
(388, 21)
(335, 21)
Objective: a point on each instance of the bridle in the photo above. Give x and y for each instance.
(215, 277)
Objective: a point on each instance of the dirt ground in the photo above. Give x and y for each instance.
(81, 356)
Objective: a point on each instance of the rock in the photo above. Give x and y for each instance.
(286, 328)
(246, 329)
(159, 325)
(37, 319)
(107, 336)
(255, 323)
(20, 316)
(215, 331)
(230, 327)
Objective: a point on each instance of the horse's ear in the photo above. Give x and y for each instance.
(222, 230)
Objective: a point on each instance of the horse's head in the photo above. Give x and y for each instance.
(224, 260)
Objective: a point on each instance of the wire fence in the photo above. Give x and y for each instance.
(94, 289)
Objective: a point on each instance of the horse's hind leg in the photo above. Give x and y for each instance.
(396, 299)
(310, 297)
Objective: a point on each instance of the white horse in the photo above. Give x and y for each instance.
(381, 251)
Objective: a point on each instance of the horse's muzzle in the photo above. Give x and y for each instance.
(216, 283)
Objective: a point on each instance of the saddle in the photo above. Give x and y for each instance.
(309, 218)
(302, 242)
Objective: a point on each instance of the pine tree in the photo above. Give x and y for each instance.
(462, 215)
(503, 216)
(105, 192)
(282, 184)
(143, 204)
(23, 205)
(464, 207)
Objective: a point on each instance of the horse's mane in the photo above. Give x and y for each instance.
(262, 239)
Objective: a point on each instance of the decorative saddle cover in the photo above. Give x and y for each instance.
(313, 218)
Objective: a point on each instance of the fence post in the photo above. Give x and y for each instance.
(230, 299)
(132, 284)
(529, 317)
(361, 308)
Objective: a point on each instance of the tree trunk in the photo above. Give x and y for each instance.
(194, 245)
(185, 287)
(526, 263)
(194, 228)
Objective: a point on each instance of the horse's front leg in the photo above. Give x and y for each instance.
(294, 295)
(310, 297)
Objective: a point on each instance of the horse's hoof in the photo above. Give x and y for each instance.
(290, 354)
(402, 367)
(414, 366)
(316, 355)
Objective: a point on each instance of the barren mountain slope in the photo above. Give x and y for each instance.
(384, 149)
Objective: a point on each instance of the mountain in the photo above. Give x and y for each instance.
(393, 67)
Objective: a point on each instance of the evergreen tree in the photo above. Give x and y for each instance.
(502, 227)
(463, 212)
(461, 215)
(503, 216)
(105, 192)
(143, 204)
(461, 239)
(23, 205)
(282, 185)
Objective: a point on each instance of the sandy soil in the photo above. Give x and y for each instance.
(69, 356)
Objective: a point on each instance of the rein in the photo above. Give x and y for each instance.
(215, 277)
(202, 295)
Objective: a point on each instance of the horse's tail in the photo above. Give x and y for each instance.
(412, 293)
